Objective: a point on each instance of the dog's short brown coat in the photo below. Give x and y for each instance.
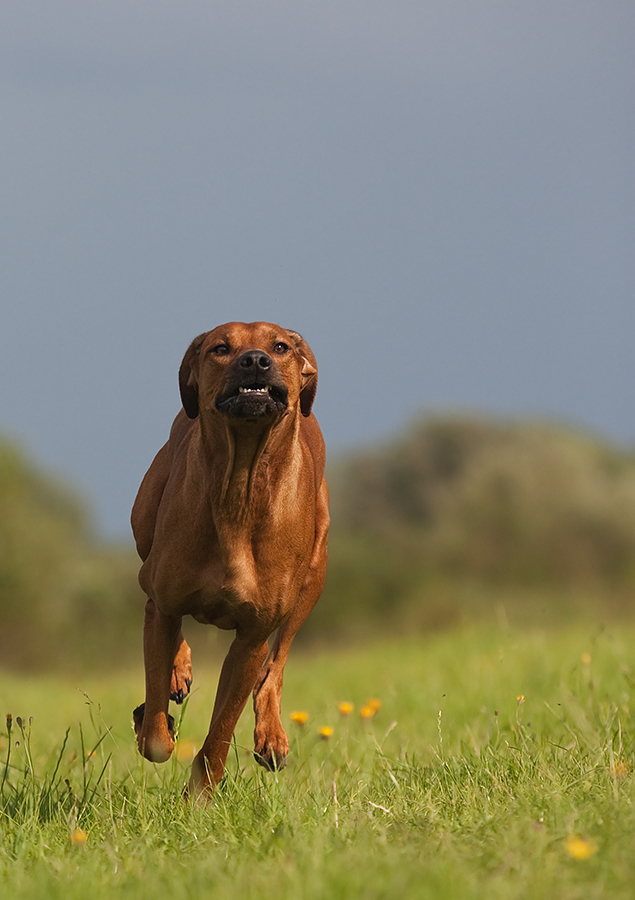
(231, 523)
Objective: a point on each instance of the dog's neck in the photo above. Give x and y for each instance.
(240, 470)
(243, 457)
(242, 483)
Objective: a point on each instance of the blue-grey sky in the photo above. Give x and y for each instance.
(439, 194)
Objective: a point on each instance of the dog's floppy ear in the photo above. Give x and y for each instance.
(188, 377)
(309, 373)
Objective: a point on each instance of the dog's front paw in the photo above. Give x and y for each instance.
(272, 756)
(157, 745)
(180, 690)
(181, 680)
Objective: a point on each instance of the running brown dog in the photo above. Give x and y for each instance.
(231, 523)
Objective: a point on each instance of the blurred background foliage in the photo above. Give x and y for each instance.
(468, 516)
(460, 518)
(66, 598)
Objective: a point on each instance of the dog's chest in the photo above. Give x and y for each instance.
(253, 582)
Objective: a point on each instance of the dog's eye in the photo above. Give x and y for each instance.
(220, 350)
(280, 347)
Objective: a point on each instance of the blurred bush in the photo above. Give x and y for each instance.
(460, 511)
(65, 598)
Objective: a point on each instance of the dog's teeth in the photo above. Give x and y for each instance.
(255, 390)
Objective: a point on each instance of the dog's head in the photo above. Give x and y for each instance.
(255, 371)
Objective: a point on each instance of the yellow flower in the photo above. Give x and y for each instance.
(325, 732)
(300, 717)
(579, 847)
(78, 836)
(367, 712)
(346, 708)
(520, 698)
(374, 704)
(619, 769)
(185, 750)
(586, 659)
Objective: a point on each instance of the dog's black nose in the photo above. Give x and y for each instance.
(255, 360)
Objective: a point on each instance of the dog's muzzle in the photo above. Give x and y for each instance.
(255, 389)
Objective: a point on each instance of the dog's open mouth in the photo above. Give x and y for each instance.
(249, 401)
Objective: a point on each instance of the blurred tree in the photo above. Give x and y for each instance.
(466, 499)
(63, 596)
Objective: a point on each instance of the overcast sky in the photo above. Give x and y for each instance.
(438, 195)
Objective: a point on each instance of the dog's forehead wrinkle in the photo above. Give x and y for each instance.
(214, 338)
(255, 335)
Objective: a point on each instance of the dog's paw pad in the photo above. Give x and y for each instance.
(137, 716)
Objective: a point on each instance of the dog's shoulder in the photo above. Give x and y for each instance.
(152, 488)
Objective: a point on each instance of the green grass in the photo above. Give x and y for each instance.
(456, 789)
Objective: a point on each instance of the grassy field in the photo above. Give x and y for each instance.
(499, 765)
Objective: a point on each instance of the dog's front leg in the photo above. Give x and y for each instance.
(238, 676)
(153, 725)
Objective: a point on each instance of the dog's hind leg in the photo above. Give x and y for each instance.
(271, 744)
(181, 680)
